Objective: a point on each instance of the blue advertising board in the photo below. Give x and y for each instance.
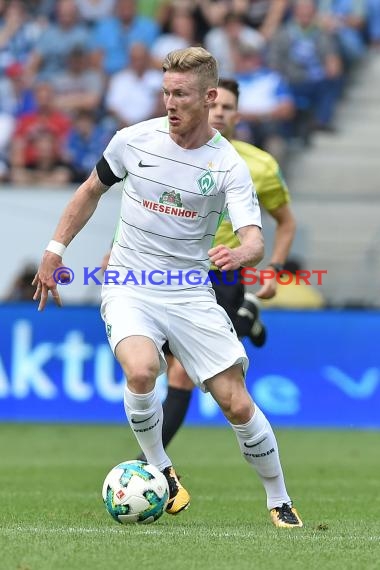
(317, 369)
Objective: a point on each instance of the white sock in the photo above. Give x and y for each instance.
(259, 447)
(145, 415)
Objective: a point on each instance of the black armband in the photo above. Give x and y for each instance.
(105, 174)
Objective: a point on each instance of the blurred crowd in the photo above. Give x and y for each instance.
(74, 71)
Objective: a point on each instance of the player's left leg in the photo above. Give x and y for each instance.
(215, 360)
(256, 440)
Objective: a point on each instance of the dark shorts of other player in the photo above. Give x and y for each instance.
(229, 293)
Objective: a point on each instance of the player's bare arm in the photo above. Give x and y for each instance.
(77, 213)
(249, 253)
(284, 235)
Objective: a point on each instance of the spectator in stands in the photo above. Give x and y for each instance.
(93, 11)
(77, 85)
(41, 11)
(7, 124)
(213, 11)
(21, 288)
(180, 33)
(346, 20)
(152, 8)
(295, 293)
(266, 104)
(45, 119)
(47, 167)
(16, 95)
(15, 99)
(373, 22)
(266, 16)
(17, 35)
(58, 40)
(135, 93)
(207, 14)
(308, 57)
(221, 41)
(112, 37)
(85, 143)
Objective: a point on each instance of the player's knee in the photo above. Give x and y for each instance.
(142, 379)
(238, 410)
(241, 412)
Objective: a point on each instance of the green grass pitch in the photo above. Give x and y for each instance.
(52, 516)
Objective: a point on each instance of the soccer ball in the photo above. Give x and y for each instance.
(135, 492)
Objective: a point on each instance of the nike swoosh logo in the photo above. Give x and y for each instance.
(142, 165)
(254, 444)
(142, 421)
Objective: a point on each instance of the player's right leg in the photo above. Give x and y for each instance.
(177, 400)
(139, 359)
(174, 407)
(135, 335)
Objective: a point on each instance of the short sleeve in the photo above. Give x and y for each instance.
(241, 198)
(114, 155)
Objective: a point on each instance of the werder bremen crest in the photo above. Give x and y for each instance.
(206, 183)
(171, 198)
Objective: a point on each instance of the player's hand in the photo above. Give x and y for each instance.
(269, 287)
(44, 280)
(224, 258)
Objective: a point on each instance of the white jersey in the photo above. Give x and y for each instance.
(173, 199)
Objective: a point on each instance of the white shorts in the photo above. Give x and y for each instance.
(199, 331)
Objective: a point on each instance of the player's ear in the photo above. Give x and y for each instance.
(211, 95)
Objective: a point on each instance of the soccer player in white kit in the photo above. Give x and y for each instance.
(178, 175)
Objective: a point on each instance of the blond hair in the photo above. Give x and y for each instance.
(195, 59)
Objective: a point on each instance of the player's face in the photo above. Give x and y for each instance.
(223, 112)
(185, 101)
